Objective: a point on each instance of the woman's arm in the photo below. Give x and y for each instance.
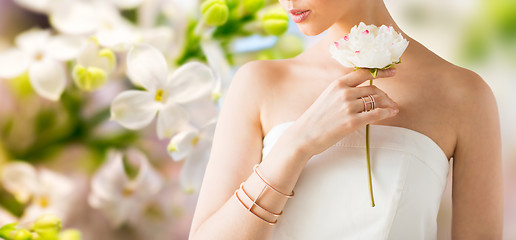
(237, 146)
(477, 165)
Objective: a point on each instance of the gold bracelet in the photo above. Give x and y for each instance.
(255, 168)
(243, 204)
(255, 200)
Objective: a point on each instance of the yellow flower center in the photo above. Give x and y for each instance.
(44, 201)
(159, 95)
(39, 56)
(172, 147)
(127, 192)
(195, 140)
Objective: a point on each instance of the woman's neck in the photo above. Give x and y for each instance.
(367, 11)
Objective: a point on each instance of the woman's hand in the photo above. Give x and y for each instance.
(339, 110)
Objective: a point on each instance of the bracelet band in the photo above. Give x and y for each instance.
(243, 205)
(255, 200)
(255, 168)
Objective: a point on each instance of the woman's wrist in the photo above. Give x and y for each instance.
(297, 143)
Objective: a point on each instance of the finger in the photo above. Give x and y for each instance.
(357, 92)
(380, 101)
(378, 94)
(375, 115)
(359, 76)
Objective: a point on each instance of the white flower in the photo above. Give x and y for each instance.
(147, 68)
(217, 60)
(369, 46)
(192, 146)
(74, 17)
(6, 217)
(88, 17)
(44, 190)
(114, 31)
(43, 55)
(40, 6)
(93, 66)
(120, 197)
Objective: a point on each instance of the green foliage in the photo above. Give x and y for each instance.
(215, 12)
(503, 17)
(46, 227)
(495, 26)
(252, 6)
(275, 21)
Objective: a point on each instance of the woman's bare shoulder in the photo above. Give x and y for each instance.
(472, 99)
(253, 84)
(467, 88)
(262, 71)
(260, 77)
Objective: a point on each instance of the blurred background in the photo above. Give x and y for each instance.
(72, 147)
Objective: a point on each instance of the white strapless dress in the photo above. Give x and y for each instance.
(332, 200)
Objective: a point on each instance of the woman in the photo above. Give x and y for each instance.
(311, 181)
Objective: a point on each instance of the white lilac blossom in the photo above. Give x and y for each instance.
(46, 6)
(43, 191)
(75, 17)
(40, 6)
(192, 147)
(146, 67)
(369, 46)
(6, 217)
(222, 69)
(124, 199)
(43, 56)
(114, 31)
(93, 66)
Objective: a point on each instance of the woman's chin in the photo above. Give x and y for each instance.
(310, 30)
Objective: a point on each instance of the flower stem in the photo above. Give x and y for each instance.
(369, 160)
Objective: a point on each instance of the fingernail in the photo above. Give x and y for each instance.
(396, 110)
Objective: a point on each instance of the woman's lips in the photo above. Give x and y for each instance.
(299, 15)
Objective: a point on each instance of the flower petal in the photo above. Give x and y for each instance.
(191, 81)
(127, 4)
(217, 60)
(13, 63)
(109, 179)
(200, 111)
(40, 6)
(64, 48)
(134, 109)
(6, 217)
(48, 78)
(182, 144)
(107, 192)
(208, 130)
(171, 119)
(120, 38)
(19, 178)
(146, 67)
(192, 173)
(55, 185)
(33, 41)
(74, 17)
(161, 38)
(88, 54)
(148, 182)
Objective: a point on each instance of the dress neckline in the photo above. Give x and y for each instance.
(408, 130)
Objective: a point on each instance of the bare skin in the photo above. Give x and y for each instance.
(451, 105)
